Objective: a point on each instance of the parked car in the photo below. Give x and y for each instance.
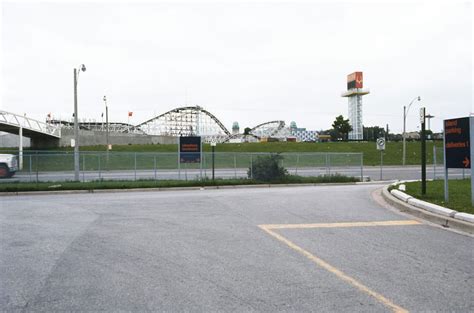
(8, 165)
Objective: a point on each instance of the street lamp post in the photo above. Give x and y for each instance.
(405, 113)
(76, 125)
(106, 123)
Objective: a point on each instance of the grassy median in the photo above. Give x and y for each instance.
(459, 194)
(121, 184)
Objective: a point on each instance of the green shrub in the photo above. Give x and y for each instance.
(267, 169)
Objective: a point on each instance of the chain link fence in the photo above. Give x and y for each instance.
(59, 166)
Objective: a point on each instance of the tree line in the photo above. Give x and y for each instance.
(341, 128)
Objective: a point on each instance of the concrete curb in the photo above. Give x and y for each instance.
(435, 214)
(65, 192)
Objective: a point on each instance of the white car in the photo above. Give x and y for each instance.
(8, 165)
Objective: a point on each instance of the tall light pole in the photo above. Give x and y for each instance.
(76, 125)
(405, 113)
(429, 117)
(106, 123)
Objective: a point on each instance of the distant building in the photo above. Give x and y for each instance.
(324, 138)
(413, 135)
(293, 125)
(235, 128)
(303, 135)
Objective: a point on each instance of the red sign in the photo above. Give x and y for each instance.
(359, 79)
(355, 80)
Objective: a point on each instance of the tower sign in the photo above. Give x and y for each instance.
(354, 94)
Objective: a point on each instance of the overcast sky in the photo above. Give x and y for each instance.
(243, 62)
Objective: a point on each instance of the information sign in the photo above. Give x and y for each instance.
(457, 143)
(189, 149)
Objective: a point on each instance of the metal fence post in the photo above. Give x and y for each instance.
(83, 167)
(434, 161)
(135, 167)
(203, 165)
(154, 165)
(327, 166)
(100, 171)
(251, 166)
(362, 167)
(200, 164)
(37, 166)
(329, 163)
(235, 166)
(186, 171)
(297, 162)
(30, 167)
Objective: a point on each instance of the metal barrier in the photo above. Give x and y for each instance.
(59, 166)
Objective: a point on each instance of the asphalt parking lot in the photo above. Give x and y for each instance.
(323, 248)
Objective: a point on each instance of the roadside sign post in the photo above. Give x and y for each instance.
(471, 129)
(213, 145)
(423, 151)
(381, 146)
(458, 150)
(446, 173)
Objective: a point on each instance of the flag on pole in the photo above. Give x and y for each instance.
(130, 114)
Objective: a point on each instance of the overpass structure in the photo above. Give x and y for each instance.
(39, 132)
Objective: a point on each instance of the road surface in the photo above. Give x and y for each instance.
(324, 248)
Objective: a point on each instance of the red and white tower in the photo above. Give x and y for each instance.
(354, 93)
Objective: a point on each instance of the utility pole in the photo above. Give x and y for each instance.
(76, 131)
(423, 151)
(106, 123)
(213, 146)
(76, 124)
(405, 113)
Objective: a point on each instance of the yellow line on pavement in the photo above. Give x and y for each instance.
(335, 271)
(335, 225)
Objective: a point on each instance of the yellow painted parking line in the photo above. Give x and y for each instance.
(334, 225)
(320, 262)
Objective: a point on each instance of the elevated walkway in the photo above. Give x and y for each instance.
(41, 133)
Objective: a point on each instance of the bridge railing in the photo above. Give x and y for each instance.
(25, 122)
(59, 166)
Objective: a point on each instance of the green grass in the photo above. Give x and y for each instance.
(109, 184)
(459, 194)
(392, 154)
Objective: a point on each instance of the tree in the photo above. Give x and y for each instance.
(428, 134)
(267, 168)
(247, 130)
(342, 126)
(373, 132)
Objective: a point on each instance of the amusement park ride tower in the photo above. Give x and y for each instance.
(354, 93)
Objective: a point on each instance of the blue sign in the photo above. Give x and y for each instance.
(189, 149)
(457, 143)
